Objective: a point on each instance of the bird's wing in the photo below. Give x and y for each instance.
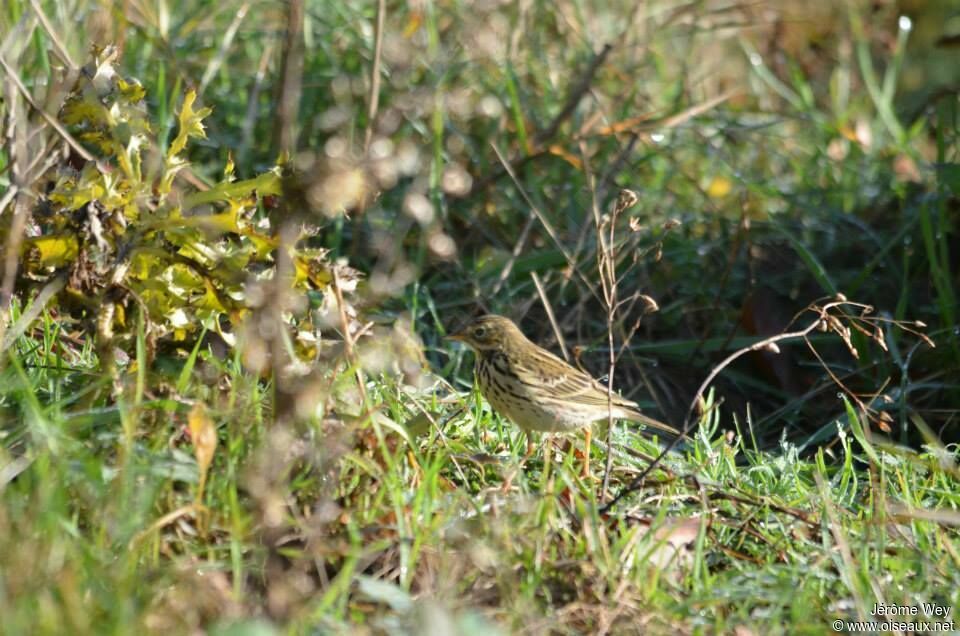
(569, 383)
(636, 416)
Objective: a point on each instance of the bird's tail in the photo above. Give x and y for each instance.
(637, 416)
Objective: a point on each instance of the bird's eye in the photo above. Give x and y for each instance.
(479, 332)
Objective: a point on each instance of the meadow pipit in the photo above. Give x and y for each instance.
(535, 389)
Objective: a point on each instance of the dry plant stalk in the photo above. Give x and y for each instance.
(831, 316)
(607, 268)
(28, 141)
(607, 259)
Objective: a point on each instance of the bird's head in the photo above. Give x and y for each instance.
(490, 333)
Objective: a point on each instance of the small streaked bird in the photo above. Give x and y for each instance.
(535, 389)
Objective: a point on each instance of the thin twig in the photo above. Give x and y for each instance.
(553, 320)
(517, 249)
(253, 102)
(17, 145)
(217, 61)
(8, 197)
(58, 46)
(80, 150)
(374, 100)
(31, 313)
(291, 78)
(545, 223)
(850, 570)
(822, 316)
(570, 105)
(606, 265)
(576, 94)
(347, 337)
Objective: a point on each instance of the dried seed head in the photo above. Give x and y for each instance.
(884, 421)
(878, 338)
(649, 304)
(701, 407)
(626, 199)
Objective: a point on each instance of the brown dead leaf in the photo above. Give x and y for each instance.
(671, 540)
(203, 433)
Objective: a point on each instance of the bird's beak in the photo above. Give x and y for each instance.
(455, 336)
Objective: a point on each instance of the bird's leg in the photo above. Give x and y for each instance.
(547, 445)
(531, 449)
(586, 454)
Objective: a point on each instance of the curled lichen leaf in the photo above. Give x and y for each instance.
(132, 90)
(263, 184)
(107, 112)
(54, 250)
(82, 110)
(210, 299)
(191, 124)
(73, 191)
